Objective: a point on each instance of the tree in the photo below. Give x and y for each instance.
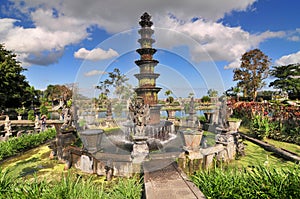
(116, 80)
(121, 89)
(55, 92)
(254, 69)
(288, 79)
(212, 93)
(170, 99)
(236, 90)
(13, 83)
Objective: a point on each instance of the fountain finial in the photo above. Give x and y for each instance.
(146, 20)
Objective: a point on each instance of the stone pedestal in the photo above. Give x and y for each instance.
(140, 149)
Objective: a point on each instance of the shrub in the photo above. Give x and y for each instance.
(31, 115)
(260, 126)
(17, 144)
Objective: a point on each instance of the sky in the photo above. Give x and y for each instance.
(199, 43)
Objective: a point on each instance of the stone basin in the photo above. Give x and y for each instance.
(91, 139)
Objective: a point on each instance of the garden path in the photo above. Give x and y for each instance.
(169, 183)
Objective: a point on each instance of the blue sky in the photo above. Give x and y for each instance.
(199, 42)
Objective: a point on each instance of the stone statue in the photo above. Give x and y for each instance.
(140, 115)
(223, 116)
(192, 106)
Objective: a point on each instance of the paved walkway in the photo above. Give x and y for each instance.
(168, 183)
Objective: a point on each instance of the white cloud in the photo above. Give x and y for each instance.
(95, 54)
(115, 15)
(222, 43)
(58, 24)
(94, 73)
(294, 38)
(42, 42)
(289, 59)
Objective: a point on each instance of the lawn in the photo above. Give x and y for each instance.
(34, 175)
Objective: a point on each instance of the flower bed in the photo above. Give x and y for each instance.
(277, 121)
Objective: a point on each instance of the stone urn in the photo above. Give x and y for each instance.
(234, 124)
(91, 139)
(192, 139)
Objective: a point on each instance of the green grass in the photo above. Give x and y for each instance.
(210, 138)
(289, 146)
(285, 145)
(255, 155)
(34, 175)
(69, 186)
(253, 182)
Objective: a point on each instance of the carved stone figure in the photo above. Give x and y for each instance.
(223, 116)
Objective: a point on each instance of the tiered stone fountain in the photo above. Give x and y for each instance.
(144, 131)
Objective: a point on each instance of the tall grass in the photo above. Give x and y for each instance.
(68, 187)
(254, 182)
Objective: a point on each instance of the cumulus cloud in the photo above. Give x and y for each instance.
(115, 16)
(294, 38)
(31, 44)
(94, 73)
(289, 59)
(95, 54)
(215, 41)
(57, 24)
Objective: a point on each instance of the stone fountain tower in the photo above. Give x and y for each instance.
(147, 89)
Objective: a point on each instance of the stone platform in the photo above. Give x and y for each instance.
(168, 183)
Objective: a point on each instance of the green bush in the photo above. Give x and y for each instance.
(205, 99)
(260, 126)
(17, 144)
(31, 115)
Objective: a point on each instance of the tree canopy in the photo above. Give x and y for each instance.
(57, 92)
(118, 82)
(254, 69)
(14, 89)
(212, 93)
(287, 79)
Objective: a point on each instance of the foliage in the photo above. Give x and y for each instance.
(202, 118)
(256, 182)
(254, 69)
(260, 126)
(118, 81)
(287, 79)
(20, 111)
(54, 92)
(13, 83)
(70, 186)
(274, 120)
(44, 110)
(205, 99)
(212, 93)
(31, 115)
(169, 99)
(17, 144)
